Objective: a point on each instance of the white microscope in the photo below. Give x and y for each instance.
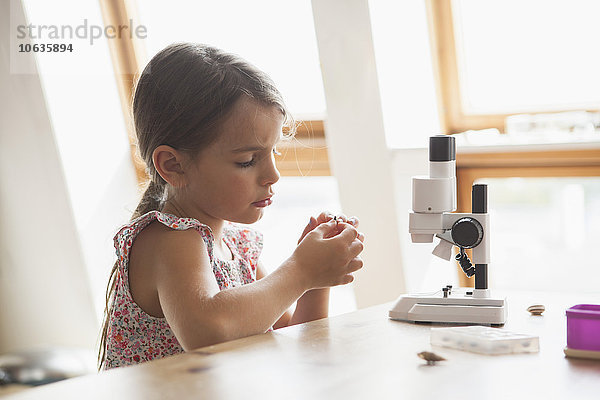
(433, 200)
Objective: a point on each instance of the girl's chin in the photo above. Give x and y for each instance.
(250, 218)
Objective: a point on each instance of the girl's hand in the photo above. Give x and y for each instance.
(326, 217)
(328, 255)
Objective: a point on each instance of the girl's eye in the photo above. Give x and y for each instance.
(253, 161)
(247, 163)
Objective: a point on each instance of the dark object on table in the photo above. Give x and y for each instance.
(430, 357)
(536, 309)
(40, 366)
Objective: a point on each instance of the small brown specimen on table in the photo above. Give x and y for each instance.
(536, 309)
(430, 357)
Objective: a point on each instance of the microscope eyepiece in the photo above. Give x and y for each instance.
(442, 148)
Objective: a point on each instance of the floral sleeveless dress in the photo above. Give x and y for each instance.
(133, 335)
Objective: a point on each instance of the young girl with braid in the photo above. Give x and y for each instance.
(187, 276)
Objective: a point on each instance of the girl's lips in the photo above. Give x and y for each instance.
(262, 203)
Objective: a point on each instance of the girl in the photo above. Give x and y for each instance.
(207, 124)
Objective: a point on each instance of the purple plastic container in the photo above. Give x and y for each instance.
(583, 327)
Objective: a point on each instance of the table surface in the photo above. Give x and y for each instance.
(358, 355)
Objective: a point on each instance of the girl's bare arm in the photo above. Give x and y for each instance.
(200, 314)
(312, 305)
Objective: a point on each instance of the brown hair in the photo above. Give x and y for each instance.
(180, 99)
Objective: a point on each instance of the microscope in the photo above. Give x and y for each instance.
(433, 200)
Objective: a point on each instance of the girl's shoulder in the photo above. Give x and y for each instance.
(157, 232)
(155, 248)
(154, 231)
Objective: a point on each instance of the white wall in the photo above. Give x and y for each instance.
(358, 153)
(374, 179)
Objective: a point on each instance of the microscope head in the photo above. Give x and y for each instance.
(435, 194)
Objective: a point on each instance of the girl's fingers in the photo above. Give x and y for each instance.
(355, 248)
(312, 224)
(344, 232)
(355, 264)
(324, 217)
(328, 229)
(334, 228)
(346, 279)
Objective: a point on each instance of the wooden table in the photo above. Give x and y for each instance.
(360, 355)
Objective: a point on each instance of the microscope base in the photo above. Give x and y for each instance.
(458, 308)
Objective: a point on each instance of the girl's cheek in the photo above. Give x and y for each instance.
(241, 181)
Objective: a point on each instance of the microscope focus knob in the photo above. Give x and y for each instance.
(467, 232)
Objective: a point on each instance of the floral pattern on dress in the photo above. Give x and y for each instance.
(133, 335)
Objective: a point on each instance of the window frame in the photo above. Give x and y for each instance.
(125, 54)
(453, 117)
(306, 154)
(470, 166)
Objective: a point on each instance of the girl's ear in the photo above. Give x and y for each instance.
(169, 164)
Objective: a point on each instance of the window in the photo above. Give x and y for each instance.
(405, 71)
(278, 37)
(527, 69)
(544, 233)
(501, 58)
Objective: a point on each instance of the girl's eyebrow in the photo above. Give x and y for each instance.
(248, 149)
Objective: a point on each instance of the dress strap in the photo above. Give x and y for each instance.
(124, 238)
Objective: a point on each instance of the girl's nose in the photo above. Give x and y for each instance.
(270, 174)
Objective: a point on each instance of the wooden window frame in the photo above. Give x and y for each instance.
(306, 154)
(125, 55)
(453, 116)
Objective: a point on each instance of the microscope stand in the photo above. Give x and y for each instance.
(458, 306)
